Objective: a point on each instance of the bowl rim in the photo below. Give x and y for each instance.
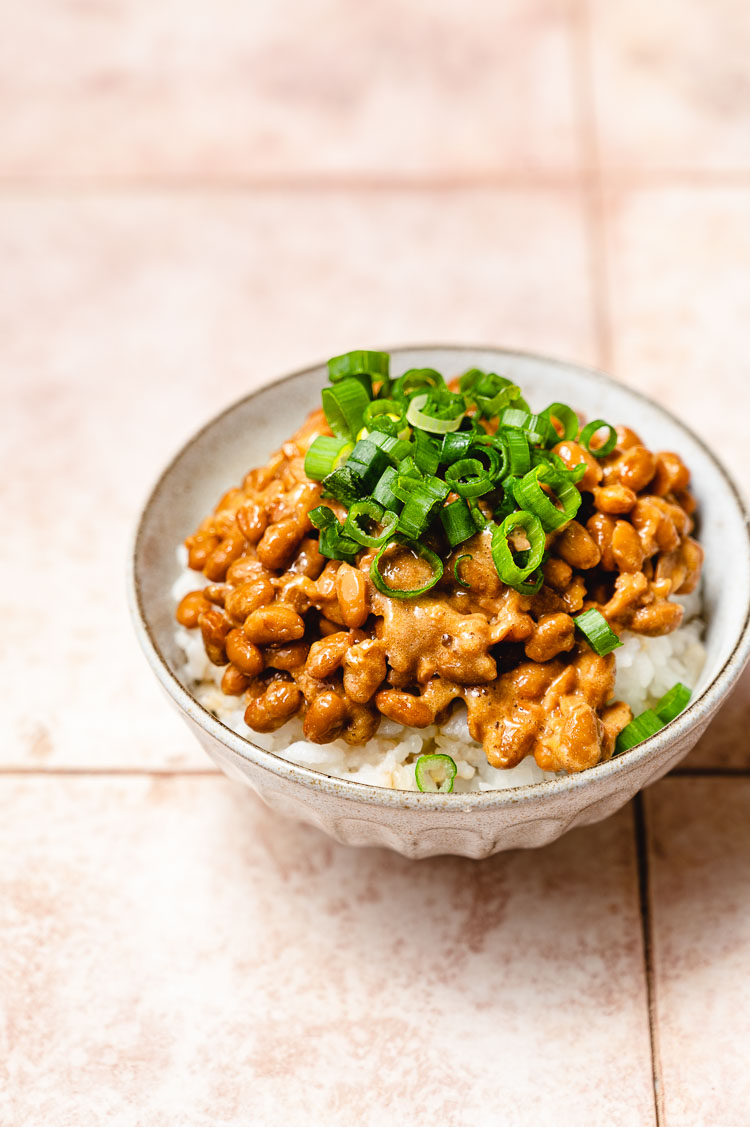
(367, 793)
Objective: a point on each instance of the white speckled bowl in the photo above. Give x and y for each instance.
(420, 825)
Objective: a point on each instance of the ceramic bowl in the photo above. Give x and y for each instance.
(420, 825)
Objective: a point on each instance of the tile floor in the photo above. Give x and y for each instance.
(194, 199)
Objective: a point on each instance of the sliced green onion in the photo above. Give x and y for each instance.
(407, 479)
(488, 391)
(574, 474)
(597, 631)
(343, 485)
(458, 521)
(480, 520)
(344, 405)
(440, 764)
(455, 446)
(638, 730)
(493, 449)
(426, 452)
(418, 416)
(395, 449)
(371, 510)
(367, 461)
(588, 433)
(469, 478)
(531, 496)
(516, 570)
(538, 427)
(421, 507)
(673, 702)
(323, 455)
(567, 418)
(359, 362)
(503, 397)
(386, 414)
(331, 542)
(417, 379)
(456, 576)
(469, 380)
(654, 719)
(383, 494)
(519, 456)
(383, 424)
(323, 517)
(508, 503)
(419, 550)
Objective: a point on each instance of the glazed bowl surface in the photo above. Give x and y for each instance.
(420, 825)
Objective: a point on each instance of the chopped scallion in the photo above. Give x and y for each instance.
(323, 455)
(673, 702)
(344, 405)
(429, 766)
(458, 522)
(417, 549)
(597, 631)
(516, 569)
(588, 433)
(638, 730)
(456, 573)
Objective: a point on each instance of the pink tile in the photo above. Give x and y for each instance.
(386, 90)
(700, 861)
(672, 89)
(126, 321)
(176, 955)
(681, 307)
(727, 743)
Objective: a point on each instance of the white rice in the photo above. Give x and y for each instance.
(646, 669)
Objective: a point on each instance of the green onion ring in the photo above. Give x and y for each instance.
(417, 417)
(324, 454)
(567, 418)
(419, 550)
(374, 511)
(417, 379)
(428, 763)
(387, 413)
(456, 576)
(588, 433)
(357, 363)
(479, 481)
(502, 553)
(519, 456)
(530, 495)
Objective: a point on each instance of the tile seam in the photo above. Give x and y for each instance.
(592, 178)
(580, 179)
(645, 897)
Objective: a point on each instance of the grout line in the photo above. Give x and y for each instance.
(522, 179)
(115, 772)
(591, 163)
(644, 893)
(711, 772)
(591, 171)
